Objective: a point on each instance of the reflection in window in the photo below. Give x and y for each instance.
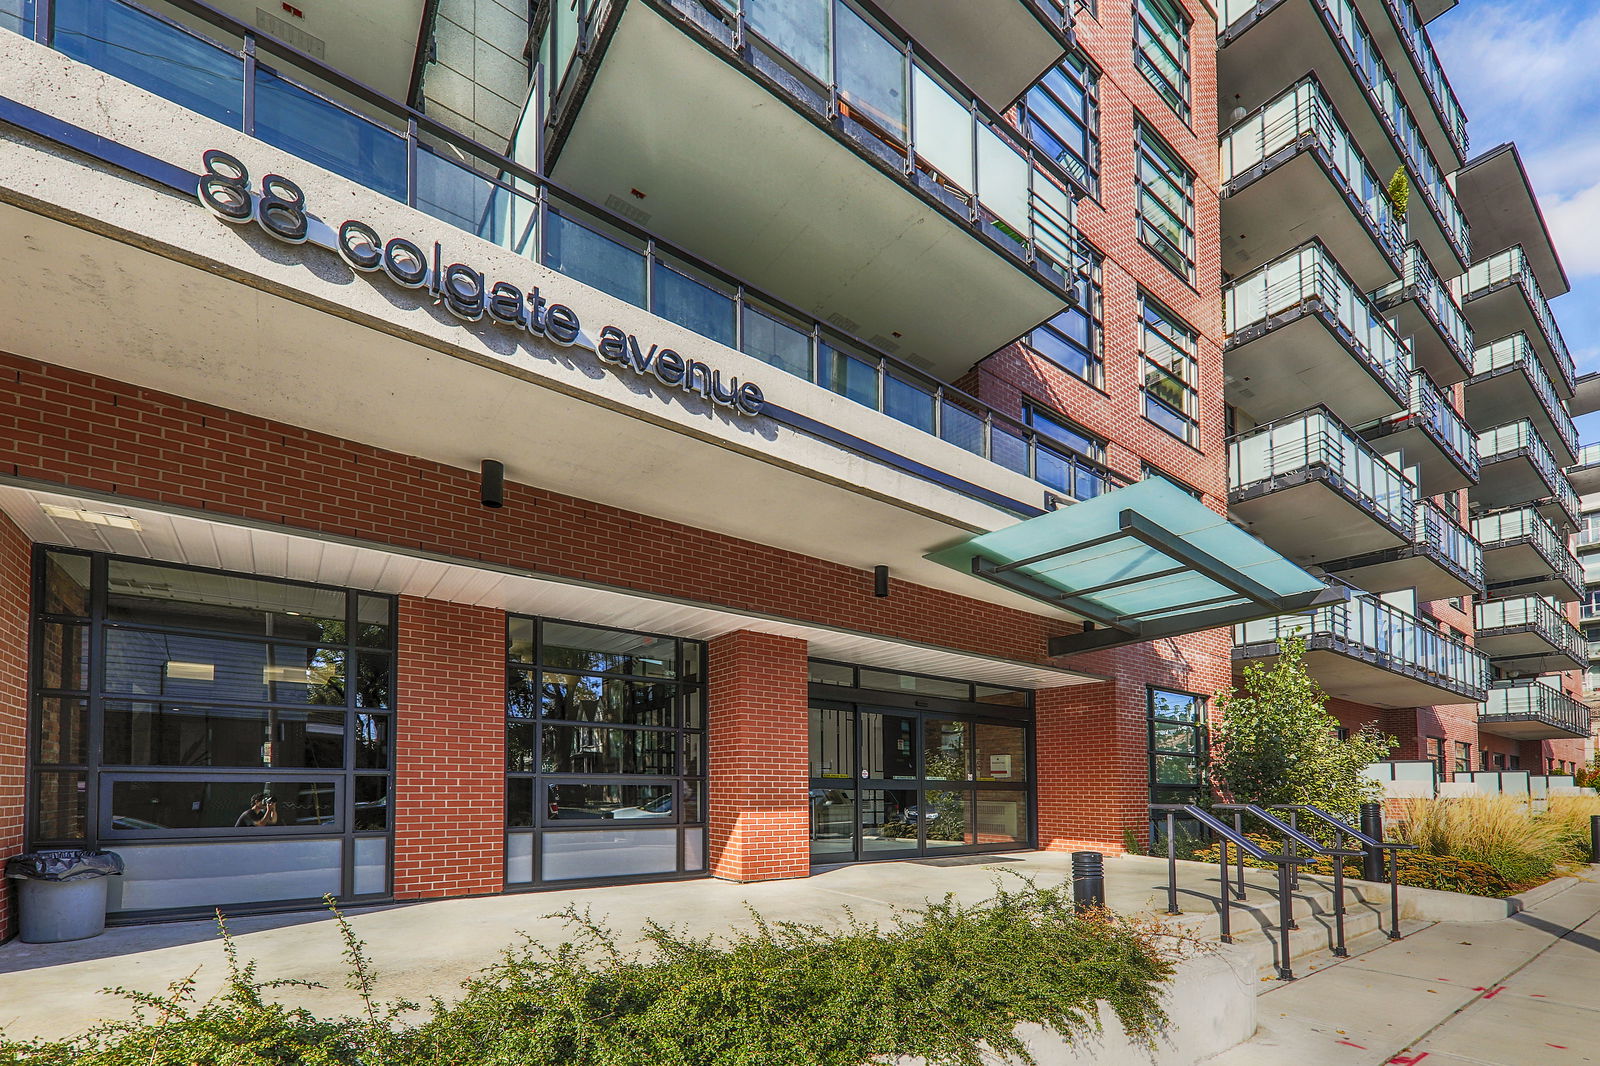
(1073, 339)
(1062, 118)
(944, 749)
(1161, 49)
(946, 818)
(1177, 746)
(1165, 203)
(223, 804)
(1170, 370)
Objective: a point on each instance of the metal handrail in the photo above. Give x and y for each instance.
(1244, 846)
(1393, 847)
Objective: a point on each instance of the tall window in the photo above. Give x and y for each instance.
(1177, 746)
(228, 735)
(1463, 761)
(1073, 340)
(1062, 117)
(1060, 458)
(605, 753)
(1161, 50)
(1436, 753)
(1165, 203)
(1170, 397)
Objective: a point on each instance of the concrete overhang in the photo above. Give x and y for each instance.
(1428, 10)
(1353, 672)
(998, 48)
(1308, 517)
(1586, 397)
(1418, 567)
(1512, 478)
(1440, 468)
(1503, 210)
(1584, 478)
(1517, 567)
(1273, 366)
(1447, 361)
(1508, 393)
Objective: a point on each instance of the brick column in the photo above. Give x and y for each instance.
(1092, 761)
(450, 752)
(14, 585)
(758, 809)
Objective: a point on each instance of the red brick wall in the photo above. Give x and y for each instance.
(14, 575)
(757, 765)
(450, 746)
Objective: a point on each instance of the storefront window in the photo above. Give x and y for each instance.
(605, 754)
(175, 704)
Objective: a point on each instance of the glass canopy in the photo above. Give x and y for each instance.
(1139, 563)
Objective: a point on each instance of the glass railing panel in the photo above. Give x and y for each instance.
(156, 55)
(908, 402)
(945, 130)
(1436, 530)
(1514, 351)
(1437, 298)
(850, 376)
(17, 16)
(1588, 455)
(595, 259)
(1513, 264)
(1317, 438)
(1535, 699)
(798, 28)
(1416, 36)
(1518, 435)
(1442, 421)
(1526, 522)
(1531, 611)
(468, 200)
(961, 427)
(1010, 450)
(299, 121)
(697, 303)
(871, 73)
(778, 341)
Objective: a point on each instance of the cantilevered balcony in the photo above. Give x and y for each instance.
(1427, 314)
(1524, 555)
(1265, 44)
(1526, 635)
(1442, 561)
(1509, 381)
(1291, 172)
(1296, 328)
(1501, 296)
(1432, 437)
(997, 47)
(1532, 709)
(1312, 489)
(1515, 467)
(815, 152)
(1584, 474)
(1397, 29)
(1369, 652)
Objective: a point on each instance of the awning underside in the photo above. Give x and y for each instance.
(1139, 563)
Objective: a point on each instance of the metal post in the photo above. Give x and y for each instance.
(1172, 867)
(1394, 894)
(1239, 854)
(1289, 850)
(1372, 826)
(1088, 881)
(1339, 950)
(1594, 838)
(1285, 923)
(1222, 884)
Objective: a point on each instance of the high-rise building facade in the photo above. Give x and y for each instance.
(466, 446)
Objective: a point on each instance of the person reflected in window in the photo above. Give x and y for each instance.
(263, 811)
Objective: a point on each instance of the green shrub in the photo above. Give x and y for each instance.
(942, 982)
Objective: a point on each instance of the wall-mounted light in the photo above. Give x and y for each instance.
(880, 581)
(492, 483)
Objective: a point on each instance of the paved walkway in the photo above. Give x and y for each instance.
(1524, 991)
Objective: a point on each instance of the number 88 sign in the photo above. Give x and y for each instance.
(224, 188)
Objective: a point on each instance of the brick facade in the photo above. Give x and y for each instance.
(758, 762)
(15, 569)
(450, 750)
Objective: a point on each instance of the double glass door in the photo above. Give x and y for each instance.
(898, 784)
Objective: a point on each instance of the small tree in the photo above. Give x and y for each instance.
(1400, 191)
(1275, 741)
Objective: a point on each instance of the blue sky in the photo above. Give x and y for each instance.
(1526, 71)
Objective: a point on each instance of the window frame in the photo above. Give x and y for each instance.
(1090, 304)
(1174, 25)
(1201, 756)
(1155, 159)
(1084, 77)
(1153, 314)
(1063, 449)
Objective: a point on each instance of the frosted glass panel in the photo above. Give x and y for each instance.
(694, 850)
(944, 130)
(568, 856)
(372, 866)
(1002, 179)
(216, 875)
(519, 859)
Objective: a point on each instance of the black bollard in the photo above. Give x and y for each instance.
(1372, 826)
(1594, 838)
(1088, 880)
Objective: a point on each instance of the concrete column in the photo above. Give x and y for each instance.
(757, 765)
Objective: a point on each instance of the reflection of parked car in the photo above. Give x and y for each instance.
(572, 814)
(656, 808)
(122, 821)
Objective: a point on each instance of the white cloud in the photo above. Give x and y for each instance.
(1575, 224)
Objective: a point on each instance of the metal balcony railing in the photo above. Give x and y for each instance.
(1310, 273)
(1414, 34)
(1501, 527)
(1512, 264)
(1504, 441)
(1436, 299)
(1316, 438)
(1441, 538)
(1527, 698)
(1441, 423)
(1303, 111)
(1535, 613)
(1383, 635)
(1515, 350)
(398, 152)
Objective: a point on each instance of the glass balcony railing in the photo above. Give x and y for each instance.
(1588, 455)
(1501, 527)
(1531, 698)
(1384, 635)
(1311, 273)
(1437, 301)
(1535, 613)
(1503, 441)
(1516, 351)
(1443, 539)
(1315, 438)
(1415, 37)
(1512, 264)
(403, 154)
(1441, 423)
(1304, 111)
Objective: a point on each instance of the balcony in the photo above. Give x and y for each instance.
(1524, 555)
(1298, 327)
(1311, 488)
(1441, 562)
(1509, 381)
(1525, 635)
(1268, 43)
(1515, 466)
(1292, 173)
(1584, 475)
(1530, 709)
(1431, 437)
(1397, 29)
(997, 47)
(1369, 652)
(733, 130)
(1426, 313)
(1501, 296)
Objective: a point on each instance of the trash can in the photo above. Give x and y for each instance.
(62, 894)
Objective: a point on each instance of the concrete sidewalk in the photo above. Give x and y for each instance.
(1524, 991)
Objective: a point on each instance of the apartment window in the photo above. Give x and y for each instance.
(1341, 734)
(1161, 50)
(1165, 203)
(1499, 761)
(1463, 763)
(1149, 470)
(1436, 754)
(1062, 117)
(1066, 458)
(1168, 346)
(1516, 762)
(1074, 340)
(1177, 746)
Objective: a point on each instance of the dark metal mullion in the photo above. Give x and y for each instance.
(352, 672)
(99, 566)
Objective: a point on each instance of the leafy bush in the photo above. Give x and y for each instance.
(1527, 849)
(943, 982)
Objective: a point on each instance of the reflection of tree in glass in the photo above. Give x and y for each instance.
(944, 811)
(327, 669)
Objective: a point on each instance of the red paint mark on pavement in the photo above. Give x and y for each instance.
(1347, 1043)
(1398, 1061)
(1495, 991)
(1558, 1047)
